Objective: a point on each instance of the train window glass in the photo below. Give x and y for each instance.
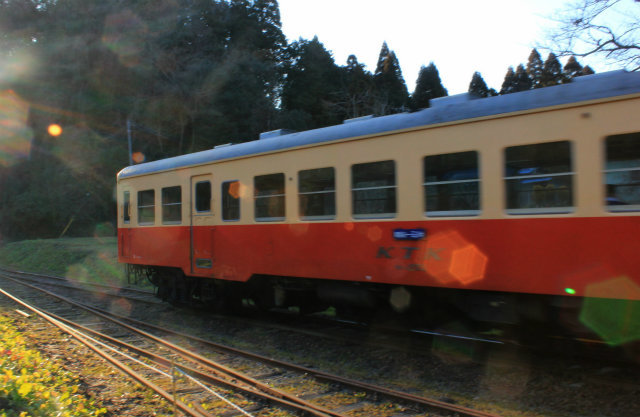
(622, 172)
(231, 200)
(146, 207)
(203, 196)
(317, 193)
(126, 207)
(172, 204)
(452, 184)
(373, 187)
(538, 178)
(269, 197)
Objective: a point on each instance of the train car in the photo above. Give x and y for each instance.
(506, 208)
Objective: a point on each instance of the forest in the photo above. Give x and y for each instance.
(79, 78)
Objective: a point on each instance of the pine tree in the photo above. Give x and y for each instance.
(357, 89)
(551, 72)
(477, 86)
(312, 89)
(587, 70)
(428, 86)
(572, 68)
(534, 69)
(509, 83)
(522, 80)
(391, 94)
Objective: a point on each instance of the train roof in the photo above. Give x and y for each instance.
(442, 110)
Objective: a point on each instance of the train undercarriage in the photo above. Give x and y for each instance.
(417, 306)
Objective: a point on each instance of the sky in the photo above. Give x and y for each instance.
(460, 37)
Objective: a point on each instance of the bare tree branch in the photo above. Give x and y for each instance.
(608, 28)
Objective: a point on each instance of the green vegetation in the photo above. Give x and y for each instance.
(33, 386)
(83, 259)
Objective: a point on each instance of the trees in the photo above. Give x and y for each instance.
(428, 86)
(522, 80)
(508, 85)
(358, 89)
(312, 88)
(551, 72)
(572, 68)
(189, 75)
(478, 87)
(607, 28)
(534, 68)
(391, 94)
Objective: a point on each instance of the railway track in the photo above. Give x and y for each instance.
(202, 364)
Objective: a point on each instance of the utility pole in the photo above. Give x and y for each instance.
(129, 139)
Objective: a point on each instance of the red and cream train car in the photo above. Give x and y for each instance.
(501, 206)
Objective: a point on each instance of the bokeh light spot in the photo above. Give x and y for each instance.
(138, 157)
(610, 308)
(374, 233)
(468, 264)
(400, 299)
(449, 257)
(54, 129)
(234, 189)
(122, 34)
(15, 135)
(570, 291)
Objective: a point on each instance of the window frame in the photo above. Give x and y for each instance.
(547, 209)
(146, 207)
(126, 207)
(276, 196)
(209, 210)
(354, 190)
(476, 180)
(164, 193)
(319, 192)
(223, 200)
(618, 208)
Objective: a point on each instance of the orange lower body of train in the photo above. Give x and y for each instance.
(595, 257)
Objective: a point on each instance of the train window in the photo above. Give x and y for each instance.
(269, 197)
(203, 196)
(231, 200)
(452, 184)
(172, 204)
(538, 178)
(126, 207)
(146, 207)
(622, 172)
(317, 193)
(373, 187)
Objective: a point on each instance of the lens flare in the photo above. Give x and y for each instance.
(138, 157)
(449, 257)
(234, 189)
(15, 135)
(610, 309)
(54, 130)
(374, 233)
(122, 34)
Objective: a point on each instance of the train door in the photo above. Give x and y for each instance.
(202, 228)
(124, 230)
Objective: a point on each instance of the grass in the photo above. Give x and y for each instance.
(92, 259)
(32, 385)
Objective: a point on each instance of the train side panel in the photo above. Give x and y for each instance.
(494, 249)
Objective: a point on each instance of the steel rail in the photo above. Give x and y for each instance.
(314, 409)
(429, 403)
(72, 281)
(116, 363)
(167, 364)
(321, 375)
